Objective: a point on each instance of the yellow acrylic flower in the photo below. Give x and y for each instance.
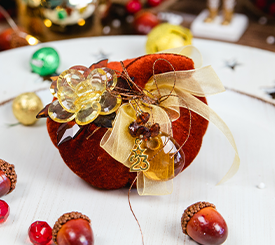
(82, 95)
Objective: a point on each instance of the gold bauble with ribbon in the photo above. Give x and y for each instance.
(167, 36)
(25, 108)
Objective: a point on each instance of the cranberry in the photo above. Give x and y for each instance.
(4, 211)
(133, 6)
(144, 22)
(40, 233)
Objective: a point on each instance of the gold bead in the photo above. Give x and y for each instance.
(25, 108)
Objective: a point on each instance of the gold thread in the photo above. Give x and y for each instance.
(132, 208)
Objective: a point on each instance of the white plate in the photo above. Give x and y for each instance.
(46, 187)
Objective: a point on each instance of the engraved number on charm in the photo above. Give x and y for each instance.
(138, 158)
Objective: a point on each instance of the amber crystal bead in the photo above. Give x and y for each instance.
(165, 158)
(44, 112)
(133, 128)
(204, 224)
(144, 132)
(73, 229)
(143, 118)
(137, 130)
(154, 130)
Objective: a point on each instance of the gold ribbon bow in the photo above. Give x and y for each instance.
(200, 82)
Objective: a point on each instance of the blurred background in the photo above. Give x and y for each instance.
(50, 20)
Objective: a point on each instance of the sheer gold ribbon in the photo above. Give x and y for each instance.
(118, 143)
(198, 82)
(188, 51)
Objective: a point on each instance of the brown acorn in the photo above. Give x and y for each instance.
(73, 229)
(8, 178)
(202, 222)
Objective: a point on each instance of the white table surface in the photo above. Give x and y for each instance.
(46, 187)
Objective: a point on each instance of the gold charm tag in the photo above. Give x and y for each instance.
(138, 158)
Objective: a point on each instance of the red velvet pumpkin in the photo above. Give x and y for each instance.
(90, 162)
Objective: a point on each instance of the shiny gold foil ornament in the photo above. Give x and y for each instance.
(25, 108)
(167, 36)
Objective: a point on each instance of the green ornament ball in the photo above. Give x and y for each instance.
(62, 14)
(45, 61)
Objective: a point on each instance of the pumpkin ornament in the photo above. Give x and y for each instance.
(141, 120)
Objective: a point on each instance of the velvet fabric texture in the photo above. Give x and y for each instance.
(91, 163)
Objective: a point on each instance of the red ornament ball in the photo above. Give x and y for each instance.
(154, 3)
(4, 211)
(133, 6)
(144, 22)
(40, 233)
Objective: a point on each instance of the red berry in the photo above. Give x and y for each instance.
(133, 6)
(202, 222)
(4, 211)
(40, 233)
(145, 22)
(154, 3)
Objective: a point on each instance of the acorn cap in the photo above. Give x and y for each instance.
(64, 219)
(192, 210)
(9, 171)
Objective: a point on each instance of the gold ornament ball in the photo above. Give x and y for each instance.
(25, 108)
(167, 36)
